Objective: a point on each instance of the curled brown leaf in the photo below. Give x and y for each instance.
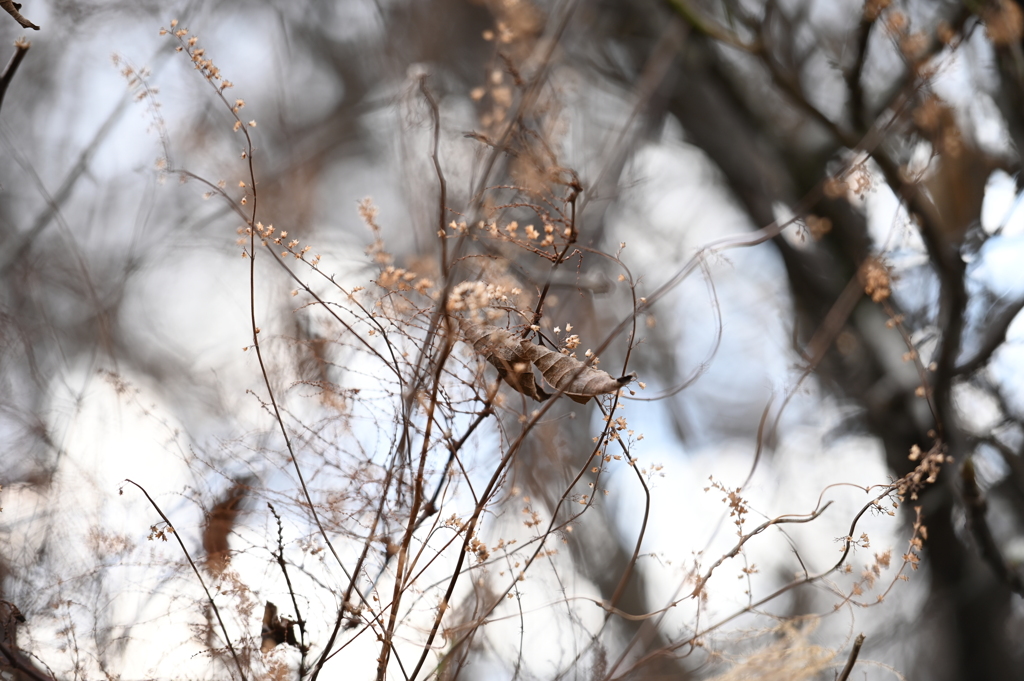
(514, 358)
(504, 352)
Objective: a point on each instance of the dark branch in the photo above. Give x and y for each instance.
(853, 78)
(20, 663)
(20, 48)
(848, 669)
(995, 336)
(975, 505)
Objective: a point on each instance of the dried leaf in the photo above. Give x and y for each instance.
(579, 381)
(220, 522)
(503, 351)
(515, 358)
(275, 630)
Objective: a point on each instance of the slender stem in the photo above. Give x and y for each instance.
(848, 669)
(202, 582)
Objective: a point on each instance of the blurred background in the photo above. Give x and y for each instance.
(820, 199)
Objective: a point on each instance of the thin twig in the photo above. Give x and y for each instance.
(202, 582)
(752, 607)
(848, 669)
(303, 648)
(442, 200)
(20, 48)
(469, 528)
(17, 245)
(710, 28)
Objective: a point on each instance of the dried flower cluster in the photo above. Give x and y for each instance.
(415, 507)
(929, 465)
(875, 278)
(200, 61)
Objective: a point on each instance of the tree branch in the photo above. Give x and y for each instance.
(976, 506)
(20, 48)
(848, 669)
(995, 336)
(22, 664)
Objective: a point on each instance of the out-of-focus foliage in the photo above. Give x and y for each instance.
(796, 222)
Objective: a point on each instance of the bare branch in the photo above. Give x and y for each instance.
(852, 660)
(976, 507)
(23, 664)
(995, 336)
(202, 582)
(20, 48)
